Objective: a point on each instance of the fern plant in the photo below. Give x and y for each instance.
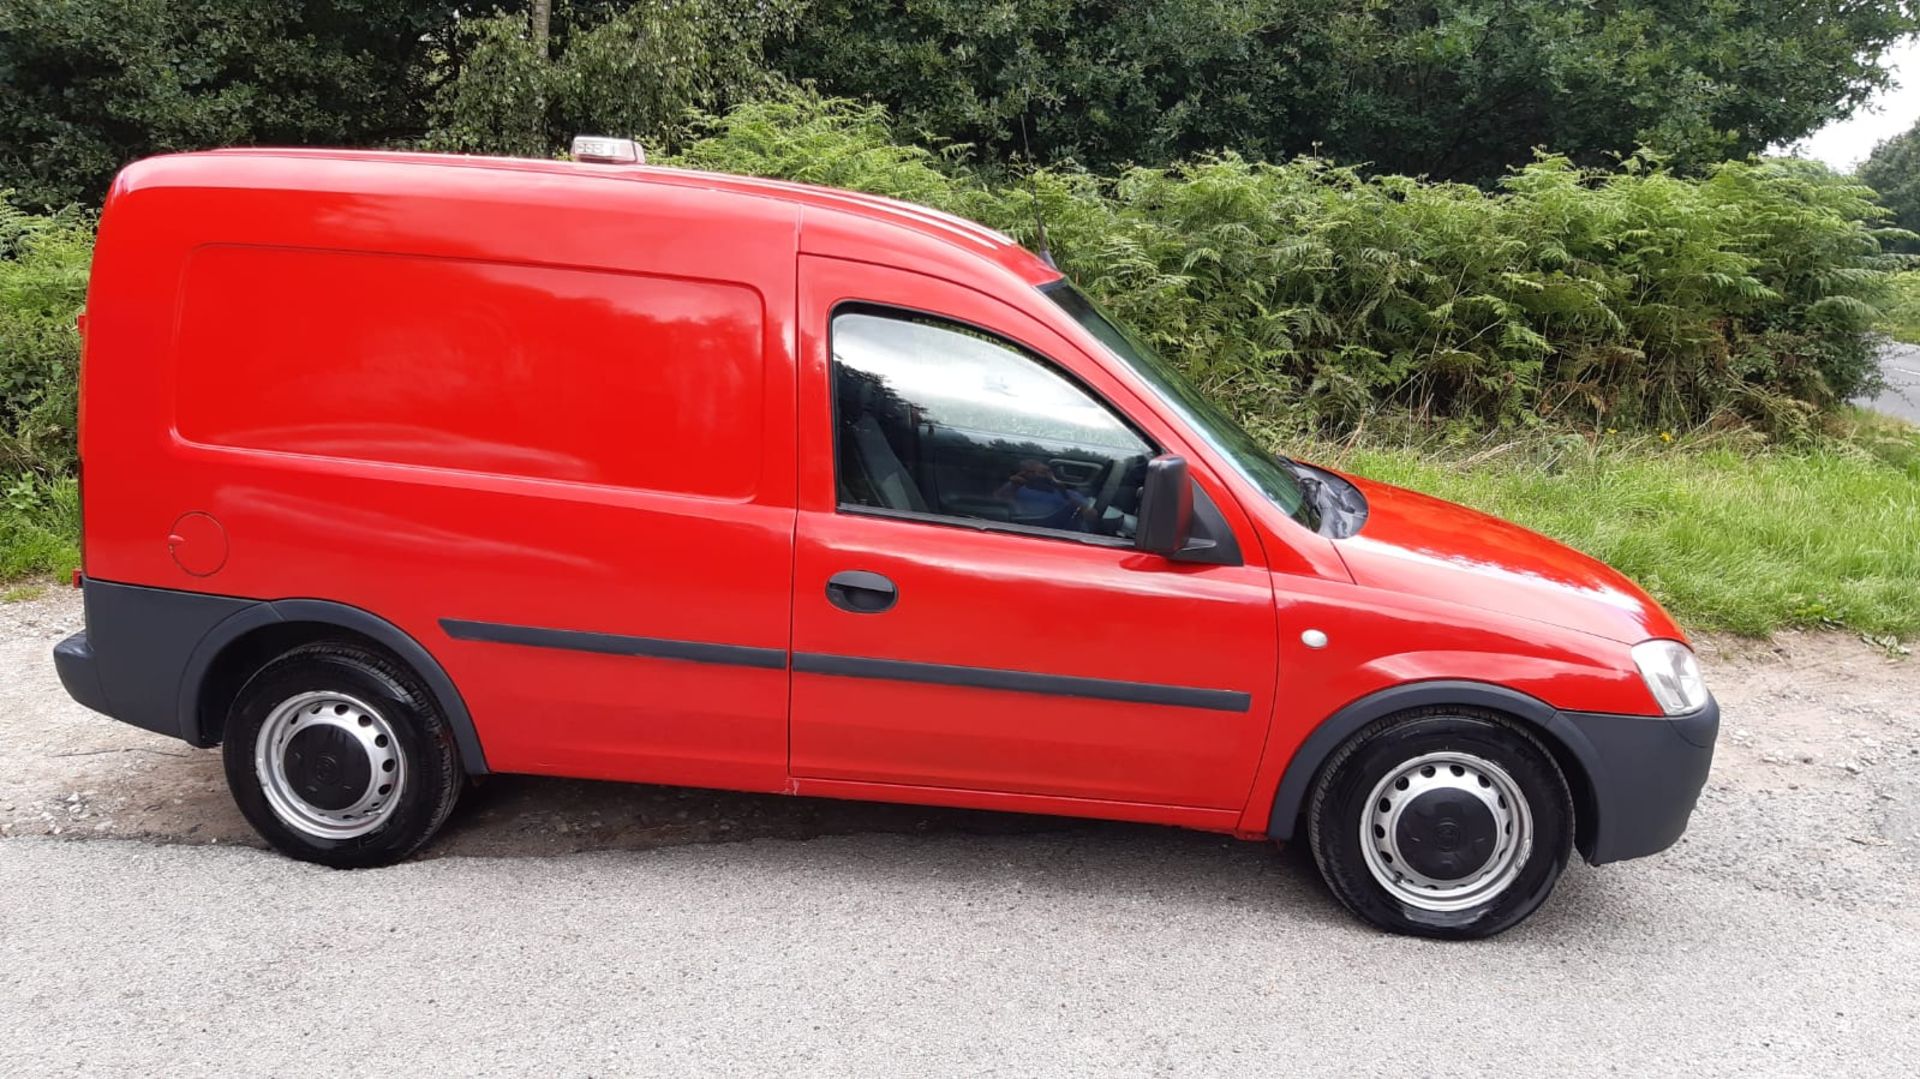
(1313, 297)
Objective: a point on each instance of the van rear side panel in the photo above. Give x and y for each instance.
(445, 394)
(534, 371)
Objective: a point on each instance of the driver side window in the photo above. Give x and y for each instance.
(935, 419)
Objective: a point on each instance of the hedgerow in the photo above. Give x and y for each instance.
(43, 283)
(1312, 296)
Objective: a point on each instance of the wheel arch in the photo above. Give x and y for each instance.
(236, 647)
(1571, 750)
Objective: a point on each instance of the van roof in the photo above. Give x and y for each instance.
(922, 220)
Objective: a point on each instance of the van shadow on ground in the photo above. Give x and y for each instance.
(529, 816)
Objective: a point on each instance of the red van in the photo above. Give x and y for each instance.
(402, 469)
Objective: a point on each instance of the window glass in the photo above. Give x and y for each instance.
(1254, 461)
(936, 419)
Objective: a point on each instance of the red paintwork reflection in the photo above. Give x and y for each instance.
(1423, 545)
(516, 370)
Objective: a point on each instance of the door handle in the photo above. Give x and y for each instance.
(861, 592)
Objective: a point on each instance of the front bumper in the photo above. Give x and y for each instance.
(1644, 774)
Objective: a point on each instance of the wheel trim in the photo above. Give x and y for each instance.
(1475, 786)
(305, 758)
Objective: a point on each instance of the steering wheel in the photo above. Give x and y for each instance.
(1110, 490)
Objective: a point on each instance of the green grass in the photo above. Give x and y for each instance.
(39, 527)
(1728, 537)
(1902, 320)
(1725, 539)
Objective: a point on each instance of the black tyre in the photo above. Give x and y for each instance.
(337, 754)
(1442, 822)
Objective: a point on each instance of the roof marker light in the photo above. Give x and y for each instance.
(608, 151)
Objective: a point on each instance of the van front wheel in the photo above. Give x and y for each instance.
(1442, 823)
(338, 755)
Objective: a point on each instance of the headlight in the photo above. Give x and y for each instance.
(1672, 674)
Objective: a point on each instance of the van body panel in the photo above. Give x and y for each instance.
(570, 431)
(1198, 819)
(468, 380)
(1378, 639)
(1424, 545)
(997, 264)
(488, 446)
(1002, 604)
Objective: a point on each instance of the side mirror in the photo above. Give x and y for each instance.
(1166, 507)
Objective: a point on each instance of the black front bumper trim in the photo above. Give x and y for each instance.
(1645, 774)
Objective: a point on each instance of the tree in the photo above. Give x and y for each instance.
(633, 72)
(88, 85)
(1456, 89)
(1893, 169)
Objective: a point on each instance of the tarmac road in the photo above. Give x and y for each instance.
(1900, 364)
(591, 929)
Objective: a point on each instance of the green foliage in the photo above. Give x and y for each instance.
(803, 137)
(635, 73)
(39, 526)
(1309, 295)
(43, 284)
(1454, 89)
(1900, 319)
(1893, 169)
(1725, 538)
(89, 85)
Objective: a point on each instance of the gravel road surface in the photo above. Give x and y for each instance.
(593, 929)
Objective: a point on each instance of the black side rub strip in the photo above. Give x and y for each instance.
(894, 670)
(615, 644)
(1055, 685)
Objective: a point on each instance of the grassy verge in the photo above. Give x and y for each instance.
(1726, 539)
(1901, 321)
(39, 527)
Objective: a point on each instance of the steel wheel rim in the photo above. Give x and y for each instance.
(324, 724)
(1384, 827)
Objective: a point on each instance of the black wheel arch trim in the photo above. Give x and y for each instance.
(326, 612)
(1297, 782)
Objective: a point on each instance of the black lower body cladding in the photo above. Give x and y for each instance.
(1646, 773)
(139, 642)
(145, 655)
(1642, 774)
(144, 652)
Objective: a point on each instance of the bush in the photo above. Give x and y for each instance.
(43, 284)
(1308, 297)
(1311, 296)
(39, 525)
(1900, 319)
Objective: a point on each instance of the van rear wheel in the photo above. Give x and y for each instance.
(1442, 822)
(337, 754)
